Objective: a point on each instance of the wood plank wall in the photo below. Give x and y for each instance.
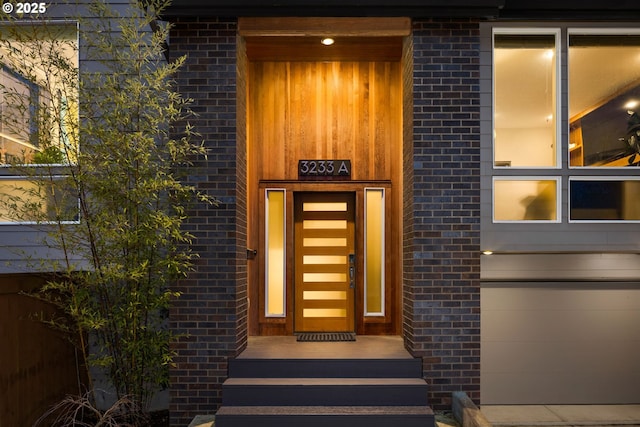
(38, 366)
(325, 110)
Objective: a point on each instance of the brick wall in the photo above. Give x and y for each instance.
(211, 313)
(442, 286)
(441, 257)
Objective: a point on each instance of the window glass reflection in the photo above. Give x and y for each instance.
(525, 200)
(24, 201)
(525, 103)
(604, 200)
(38, 94)
(604, 99)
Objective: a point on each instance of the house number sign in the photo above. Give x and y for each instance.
(324, 168)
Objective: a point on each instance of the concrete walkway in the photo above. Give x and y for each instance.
(562, 415)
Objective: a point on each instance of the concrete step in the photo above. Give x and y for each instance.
(324, 391)
(327, 368)
(324, 416)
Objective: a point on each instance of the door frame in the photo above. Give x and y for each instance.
(391, 323)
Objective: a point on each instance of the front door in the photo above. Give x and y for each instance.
(324, 262)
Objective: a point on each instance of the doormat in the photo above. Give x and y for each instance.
(326, 336)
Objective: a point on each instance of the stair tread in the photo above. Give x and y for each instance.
(325, 381)
(324, 410)
(351, 368)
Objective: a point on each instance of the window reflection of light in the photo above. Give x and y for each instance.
(631, 105)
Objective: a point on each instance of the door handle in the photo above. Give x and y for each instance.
(352, 271)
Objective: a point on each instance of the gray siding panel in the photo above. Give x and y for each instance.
(563, 267)
(555, 345)
(22, 250)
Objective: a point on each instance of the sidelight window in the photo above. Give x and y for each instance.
(275, 260)
(374, 256)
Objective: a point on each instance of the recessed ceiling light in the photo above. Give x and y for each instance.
(327, 41)
(487, 252)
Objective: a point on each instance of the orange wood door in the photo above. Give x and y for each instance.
(324, 249)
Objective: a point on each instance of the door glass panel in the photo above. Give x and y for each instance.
(275, 253)
(324, 259)
(374, 251)
(325, 224)
(324, 207)
(324, 277)
(324, 295)
(324, 312)
(324, 241)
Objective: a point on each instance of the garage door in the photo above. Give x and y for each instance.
(560, 343)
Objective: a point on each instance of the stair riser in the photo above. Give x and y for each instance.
(326, 368)
(325, 395)
(324, 421)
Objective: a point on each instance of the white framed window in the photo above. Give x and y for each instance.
(38, 93)
(38, 121)
(599, 107)
(604, 199)
(526, 199)
(49, 201)
(526, 98)
(604, 97)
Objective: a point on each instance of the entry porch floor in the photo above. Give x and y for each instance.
(364, 347)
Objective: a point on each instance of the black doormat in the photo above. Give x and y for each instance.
(326, 336)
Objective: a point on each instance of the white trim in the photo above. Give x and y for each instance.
(602, 31)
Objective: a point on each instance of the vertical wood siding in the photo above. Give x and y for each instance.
(319, 110)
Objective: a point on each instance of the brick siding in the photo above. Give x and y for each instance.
(441, 291)
(211, 313)
(442, 286)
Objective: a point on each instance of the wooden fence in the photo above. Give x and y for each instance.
(37, 366)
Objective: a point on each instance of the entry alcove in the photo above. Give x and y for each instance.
(307, 101)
